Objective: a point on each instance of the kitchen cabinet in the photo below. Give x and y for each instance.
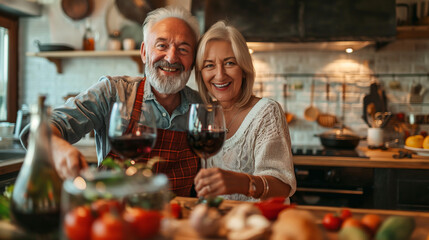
(304, 20)
(57, 57)
(403, 189)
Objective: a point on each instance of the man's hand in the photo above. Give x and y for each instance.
(67, 159)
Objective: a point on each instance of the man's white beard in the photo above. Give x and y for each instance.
(165, 84)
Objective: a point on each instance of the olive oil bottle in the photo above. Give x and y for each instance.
(35, 203)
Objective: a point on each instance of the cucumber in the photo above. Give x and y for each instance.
(396, 228)
(353, 233)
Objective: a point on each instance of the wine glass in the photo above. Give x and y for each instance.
(132, 137)
(206, 130)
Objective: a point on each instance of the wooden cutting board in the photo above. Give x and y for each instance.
(374, 102)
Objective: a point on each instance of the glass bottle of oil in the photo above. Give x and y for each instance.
(35, 203)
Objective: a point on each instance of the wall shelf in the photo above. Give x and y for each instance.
(56, 57)
(412, 32)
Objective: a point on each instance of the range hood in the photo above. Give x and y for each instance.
(22, 8)
(269, 25)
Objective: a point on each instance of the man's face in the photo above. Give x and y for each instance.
(168, 55)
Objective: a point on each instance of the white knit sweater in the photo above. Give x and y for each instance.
(260, 146)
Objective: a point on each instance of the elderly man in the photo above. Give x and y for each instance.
(168, 51)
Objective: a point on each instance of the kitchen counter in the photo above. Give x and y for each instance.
(420, 232)
(376, 159)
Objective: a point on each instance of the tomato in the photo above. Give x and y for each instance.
(331, 222)
(102, 206)
(107, 227)
(77, 223)
(144, 224)
(424, 133)
(275, 200)
(271, 210)
(371, 222)
(345, 213)
(176, 210)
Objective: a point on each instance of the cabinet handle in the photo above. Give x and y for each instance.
(323, 190)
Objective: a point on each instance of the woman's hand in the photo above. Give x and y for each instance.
(212, 182)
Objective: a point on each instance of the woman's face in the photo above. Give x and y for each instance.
(221, 74)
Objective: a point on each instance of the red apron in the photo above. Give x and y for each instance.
(179, 163)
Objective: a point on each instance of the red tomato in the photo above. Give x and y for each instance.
(271, 210)
(423, 133)
(144, 223)
(102, 206)
(345, 213)
(77, 223)
(331, 222)
(108, 227)
(275, 200)
(176, 210)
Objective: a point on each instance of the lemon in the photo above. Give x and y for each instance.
(426, 142)
(415, 141)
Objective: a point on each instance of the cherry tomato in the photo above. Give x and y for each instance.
(176, 210)
(331, 222)
(107, 227)
(143, 223)
(345, 213)
(102, 206)
(371, 222)
(77, 223)
(424, 133)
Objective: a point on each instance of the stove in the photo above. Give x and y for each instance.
(316, 150)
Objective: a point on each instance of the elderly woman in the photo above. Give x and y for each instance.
(255, 161)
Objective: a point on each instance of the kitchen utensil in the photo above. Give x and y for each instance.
(77, 9)
(52, 47)
(374, 102)
(381, 119)
(417, 93)
(339, 138)
(311, 113)
(325, 119)
(289, 116)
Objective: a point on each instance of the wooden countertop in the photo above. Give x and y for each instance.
(421, 232)
(376, 159)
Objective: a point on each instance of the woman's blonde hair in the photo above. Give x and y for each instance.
(221, 31)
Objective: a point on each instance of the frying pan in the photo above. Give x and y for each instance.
(52, 47)
(77, 9)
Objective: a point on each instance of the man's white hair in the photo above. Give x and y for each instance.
(167, 12)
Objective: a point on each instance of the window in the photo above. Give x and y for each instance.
(8, 68)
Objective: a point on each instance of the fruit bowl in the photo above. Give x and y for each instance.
(419, 151)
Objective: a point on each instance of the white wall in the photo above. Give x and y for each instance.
(37, 75)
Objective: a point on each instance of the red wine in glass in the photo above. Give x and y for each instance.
(206, 130)
(139, 139)
(205, 143)
(129, 146)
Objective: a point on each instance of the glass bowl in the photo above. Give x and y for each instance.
(123, 204)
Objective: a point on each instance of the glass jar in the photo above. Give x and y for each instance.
(132, 202)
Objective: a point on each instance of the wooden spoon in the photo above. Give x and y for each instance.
(311, 113)
(325, 119)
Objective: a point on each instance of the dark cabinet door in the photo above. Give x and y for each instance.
(305, 20)
(349, 19)
(272, 20)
